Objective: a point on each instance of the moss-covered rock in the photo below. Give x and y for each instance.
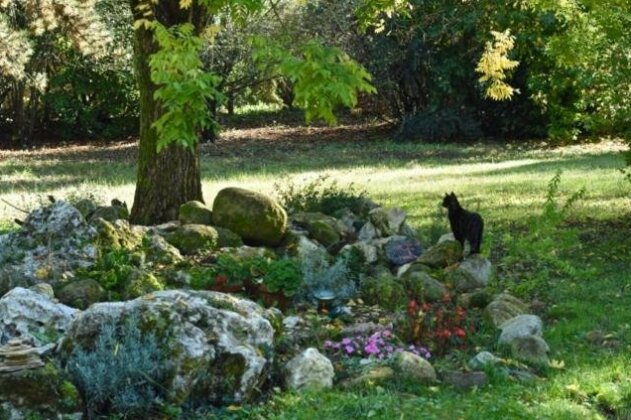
(476, 299)
(195, 213)
(327, 230)
(442, 255)
(227, 238)
(140, 283)
(255, 217)
(43, 390)
(422, 287)
(81, 294)
(384, 290)
(463, 281)
(118, 234)
(192, 238)
(503, 308)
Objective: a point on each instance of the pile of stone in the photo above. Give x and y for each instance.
(215, 335)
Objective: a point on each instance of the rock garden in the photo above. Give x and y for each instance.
(242, 298)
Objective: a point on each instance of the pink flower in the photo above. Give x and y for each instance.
(371, 348)
(386, 333)
(349, 349)
(346, 341)
(328, 344)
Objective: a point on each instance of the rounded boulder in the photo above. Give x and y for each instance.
(255, 217)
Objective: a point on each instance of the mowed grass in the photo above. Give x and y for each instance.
(507, 185)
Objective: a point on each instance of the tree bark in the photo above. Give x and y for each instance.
(170, 178)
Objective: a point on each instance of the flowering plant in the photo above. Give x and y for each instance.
(380, 345)
(442, 325)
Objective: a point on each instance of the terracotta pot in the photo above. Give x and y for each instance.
(272, 298)
(227, 288)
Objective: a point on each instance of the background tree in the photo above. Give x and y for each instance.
(31, 34)
(174, 91)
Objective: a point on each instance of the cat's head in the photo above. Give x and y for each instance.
(450, 201)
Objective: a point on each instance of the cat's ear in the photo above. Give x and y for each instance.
(452, 194)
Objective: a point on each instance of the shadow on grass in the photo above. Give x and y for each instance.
(585, 163)
(279, 153)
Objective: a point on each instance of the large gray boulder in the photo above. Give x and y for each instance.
(309, 369)
(32, 316)
(217, 344)
(53, 241)
(255, 217)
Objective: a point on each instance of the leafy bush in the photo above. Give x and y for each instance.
(320, 195)
(277, 275)
(225, 270)
(282, 275)
(123, 373)
(114, 268)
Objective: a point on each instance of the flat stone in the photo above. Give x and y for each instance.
(465, 380)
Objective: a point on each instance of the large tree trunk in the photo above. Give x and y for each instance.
(170, 178)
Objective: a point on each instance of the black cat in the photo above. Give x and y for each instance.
(464, 224)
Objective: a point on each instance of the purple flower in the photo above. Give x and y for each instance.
(346, 341)
(386, 333)
(371, 348)
(349, 349)
(328, 344)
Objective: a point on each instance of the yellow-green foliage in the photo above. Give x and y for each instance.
(495, 64)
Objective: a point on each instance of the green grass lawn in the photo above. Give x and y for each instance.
(507, 185)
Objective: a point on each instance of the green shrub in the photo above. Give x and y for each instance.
(124, 372)
(114, 268)
(383, 290)
(283, 275)
(320, 195)
(227, 269)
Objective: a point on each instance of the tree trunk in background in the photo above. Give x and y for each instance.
(170, 178)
